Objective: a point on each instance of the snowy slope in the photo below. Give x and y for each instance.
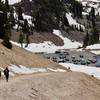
(73, 21)
(49, 47)
(91, 3)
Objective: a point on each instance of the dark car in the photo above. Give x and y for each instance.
(83, 62)
(92, 60)
(97, 64)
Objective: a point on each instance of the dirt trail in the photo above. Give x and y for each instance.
(51, 86)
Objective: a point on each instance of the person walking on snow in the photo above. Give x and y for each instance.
(6, 73)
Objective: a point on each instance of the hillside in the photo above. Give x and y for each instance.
(18, 56)
(51, 86)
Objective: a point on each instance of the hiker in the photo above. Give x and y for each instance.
(0, 73)
(6, 73)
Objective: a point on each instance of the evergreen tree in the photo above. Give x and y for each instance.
(7, 5)
(48, 14)
(2, 9)
(12, 19)
(92, 16)
(86, 40)
(21, 39)
(76, 8)
(26, 31)
(20, 18)
(94, 38)
(6, 26)
(66, 23)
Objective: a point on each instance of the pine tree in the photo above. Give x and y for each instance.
(2, 9)
(92, 16)
(86, 40)
(94, 38)
(20, 18)
(66, 23)
(21, 39)
(26, 31)
(12, 19)
(48, 14)
(6, 28)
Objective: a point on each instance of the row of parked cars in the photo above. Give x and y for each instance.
(66, 57)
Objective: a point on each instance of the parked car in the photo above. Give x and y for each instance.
(93, 60)
(61, 60)
(81, 56)
(75, 62)
(66, 53)
(88, 61)
(62, 56)
(54, 59)
(97, 64)
(83, 62)
(57, 52)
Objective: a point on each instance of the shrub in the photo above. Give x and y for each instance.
(7, 44)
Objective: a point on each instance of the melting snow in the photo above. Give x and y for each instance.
(96, 52)
(82, 68)
(95, 46)
(18, 70)
(49, 47)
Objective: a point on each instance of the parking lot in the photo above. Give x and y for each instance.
(72, 56)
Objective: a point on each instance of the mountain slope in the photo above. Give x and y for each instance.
(18, 56)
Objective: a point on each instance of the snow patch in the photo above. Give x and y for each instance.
(95, 46)
(82, 68)
(25, 70)
(73, 21)
(56, 70)
(97, 52)
(19, 70)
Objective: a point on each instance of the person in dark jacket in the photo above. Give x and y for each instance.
(6, 73)
(0, 73)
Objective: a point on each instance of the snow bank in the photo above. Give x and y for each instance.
(82, 68)
(95, 46)
(25, 70)
(56, 70)
(19, 70)
(96, 52)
